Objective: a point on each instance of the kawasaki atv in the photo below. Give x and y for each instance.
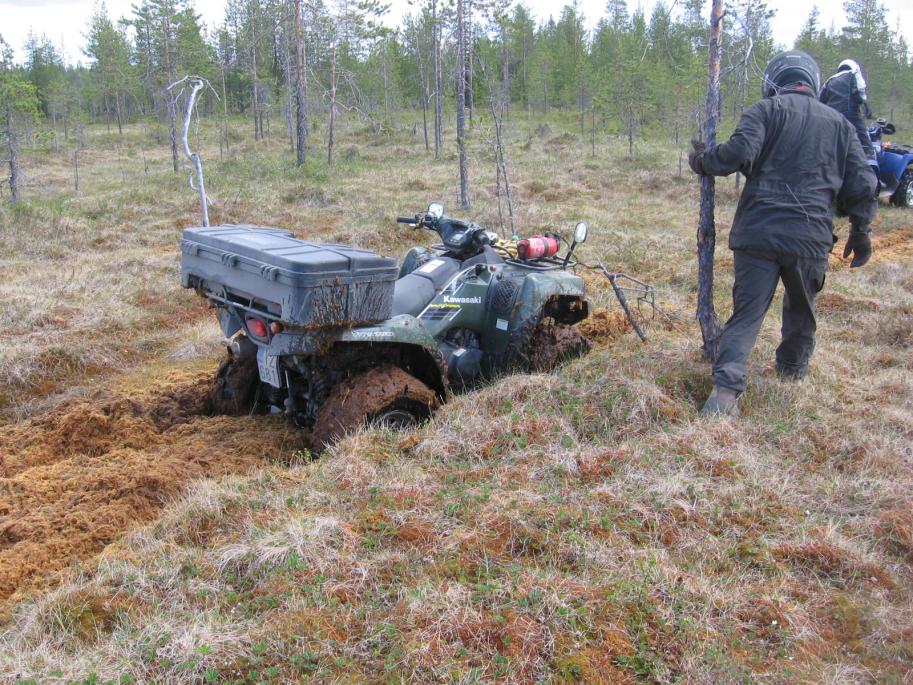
(334, 336)
(894, 166)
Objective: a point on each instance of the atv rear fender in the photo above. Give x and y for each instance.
(402, 338)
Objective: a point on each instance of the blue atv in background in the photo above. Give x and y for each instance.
(894, 166)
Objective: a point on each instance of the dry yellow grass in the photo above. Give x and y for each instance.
(583, 526)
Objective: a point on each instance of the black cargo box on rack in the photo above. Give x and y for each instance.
(272, 273)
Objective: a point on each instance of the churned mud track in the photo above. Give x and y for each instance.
(72, 480)
(892, 245)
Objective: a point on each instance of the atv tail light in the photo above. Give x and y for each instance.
(257, 328)
(276, 327)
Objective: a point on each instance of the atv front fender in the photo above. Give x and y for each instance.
(556, 294)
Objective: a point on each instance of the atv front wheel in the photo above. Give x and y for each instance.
(903, 196)
(386, 396)
(234, 389)
(553, 343)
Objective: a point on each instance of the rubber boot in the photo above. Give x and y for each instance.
(791, 374)
(722, 402)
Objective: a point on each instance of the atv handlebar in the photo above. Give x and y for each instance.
(406, 220)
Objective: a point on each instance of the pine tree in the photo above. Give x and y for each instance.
(18, 106)
(168, 42)
(867, 39)
(109, 51)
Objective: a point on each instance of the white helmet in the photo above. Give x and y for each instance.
(848, 65)
(853, 67)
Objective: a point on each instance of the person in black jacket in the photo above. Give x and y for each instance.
(845, 91)
(801, 158)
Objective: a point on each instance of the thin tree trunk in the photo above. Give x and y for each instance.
(117, 114)
(501, 162)
(301, 116)
(438, 86)
(287, 70)
(224, 110)
(593, 132)
(468, 43)
(706, 230)
(11, 135)
(386, 86)
(54, 126)
(423, 81)
(255, 95)
(76, 167)
(170, 104)
(461, 107)
(425, 119)
(505, 77)
(331, 125)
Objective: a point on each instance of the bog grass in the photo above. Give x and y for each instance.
(584, 526)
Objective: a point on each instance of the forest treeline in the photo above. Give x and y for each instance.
(282, 63)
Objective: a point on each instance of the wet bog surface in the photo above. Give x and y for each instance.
(75, 478)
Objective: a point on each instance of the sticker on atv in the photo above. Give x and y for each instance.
(430, 266)
(440, 311)
(268, 365)
(370, 333)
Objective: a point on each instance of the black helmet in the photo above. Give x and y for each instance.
(792, 66)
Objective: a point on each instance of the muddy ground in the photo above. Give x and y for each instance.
(78, 476)
(74, 479)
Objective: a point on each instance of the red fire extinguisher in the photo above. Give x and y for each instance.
(538, 246)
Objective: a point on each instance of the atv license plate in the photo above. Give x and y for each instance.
(268, 366)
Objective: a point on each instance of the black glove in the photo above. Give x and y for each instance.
(695, 157)
(859, 244)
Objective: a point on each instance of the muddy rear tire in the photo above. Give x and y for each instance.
(552, 343)
(234, 389)
(385, 395)
(903, 196)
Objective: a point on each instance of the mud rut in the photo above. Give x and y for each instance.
(74, 479)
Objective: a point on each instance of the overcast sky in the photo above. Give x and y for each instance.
(65, 21)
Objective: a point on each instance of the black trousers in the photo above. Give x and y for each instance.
(862, 132)
(756, 278)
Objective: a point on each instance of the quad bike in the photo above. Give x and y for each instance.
(334, 336)
(893, 166)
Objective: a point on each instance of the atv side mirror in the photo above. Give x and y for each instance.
(580, 233)
(435, 210)
(581, 230)
(888, 128)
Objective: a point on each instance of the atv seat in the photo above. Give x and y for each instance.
(486, 256)
(415, 290)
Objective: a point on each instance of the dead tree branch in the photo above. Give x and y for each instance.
(197, 84)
